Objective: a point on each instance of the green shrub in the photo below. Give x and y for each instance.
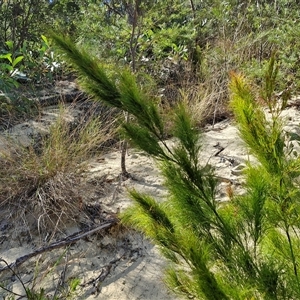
(243, 249)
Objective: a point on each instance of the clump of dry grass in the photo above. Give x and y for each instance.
(204, 91)
(206, 104)
(40, 184)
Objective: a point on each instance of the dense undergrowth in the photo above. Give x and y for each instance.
(190, 50)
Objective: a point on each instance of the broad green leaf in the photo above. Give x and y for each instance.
(45, 40)
(7, 56)
(17, 60)
(10, 44)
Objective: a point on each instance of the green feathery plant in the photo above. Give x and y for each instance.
(243, 249)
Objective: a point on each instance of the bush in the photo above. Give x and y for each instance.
(243, 249)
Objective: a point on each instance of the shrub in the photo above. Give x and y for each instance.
(243, 249)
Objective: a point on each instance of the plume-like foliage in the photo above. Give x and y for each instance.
(93, 77)
(244, 249)
(264, 138)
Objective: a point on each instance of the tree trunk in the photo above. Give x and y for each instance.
(193, 8)
(124, 172)
(133, 46)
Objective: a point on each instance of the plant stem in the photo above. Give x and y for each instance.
(124, 172)
(292, 251)
(132, 46)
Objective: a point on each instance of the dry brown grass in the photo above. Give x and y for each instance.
(40, 184)
(204, 91)
(204, 88)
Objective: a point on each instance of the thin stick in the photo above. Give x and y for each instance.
(116, 190)
(66, 241)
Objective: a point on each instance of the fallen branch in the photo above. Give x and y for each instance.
(64, 242)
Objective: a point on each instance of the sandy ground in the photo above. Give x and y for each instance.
(118, 263)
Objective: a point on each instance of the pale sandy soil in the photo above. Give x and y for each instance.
(119, 263)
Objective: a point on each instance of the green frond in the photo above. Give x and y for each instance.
(233, 219)
(275, 243)
(143, 139)
(156, 119)
(131, 96)
(190, 204)
(277, 254)
(264, 138)
(149, 217)
(137, 104)
(197, 179)
(206, 280)
(186, 132)
(269, 83)
(153, 209)
(198, 281)
(179, 282)
(170, 254)
(269, 279)
(93, 77)
(252, 205)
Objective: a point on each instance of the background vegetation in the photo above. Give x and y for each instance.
(187, 45)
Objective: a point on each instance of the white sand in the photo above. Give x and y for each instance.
(137, 272)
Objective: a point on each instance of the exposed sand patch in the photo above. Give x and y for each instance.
(117, 263)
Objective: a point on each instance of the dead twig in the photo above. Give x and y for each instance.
(64, 242)
(105, 271)
(116, 190)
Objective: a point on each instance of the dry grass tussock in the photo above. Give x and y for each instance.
(203, 106)
(206, 104)
(204, 91)
(40, 184)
